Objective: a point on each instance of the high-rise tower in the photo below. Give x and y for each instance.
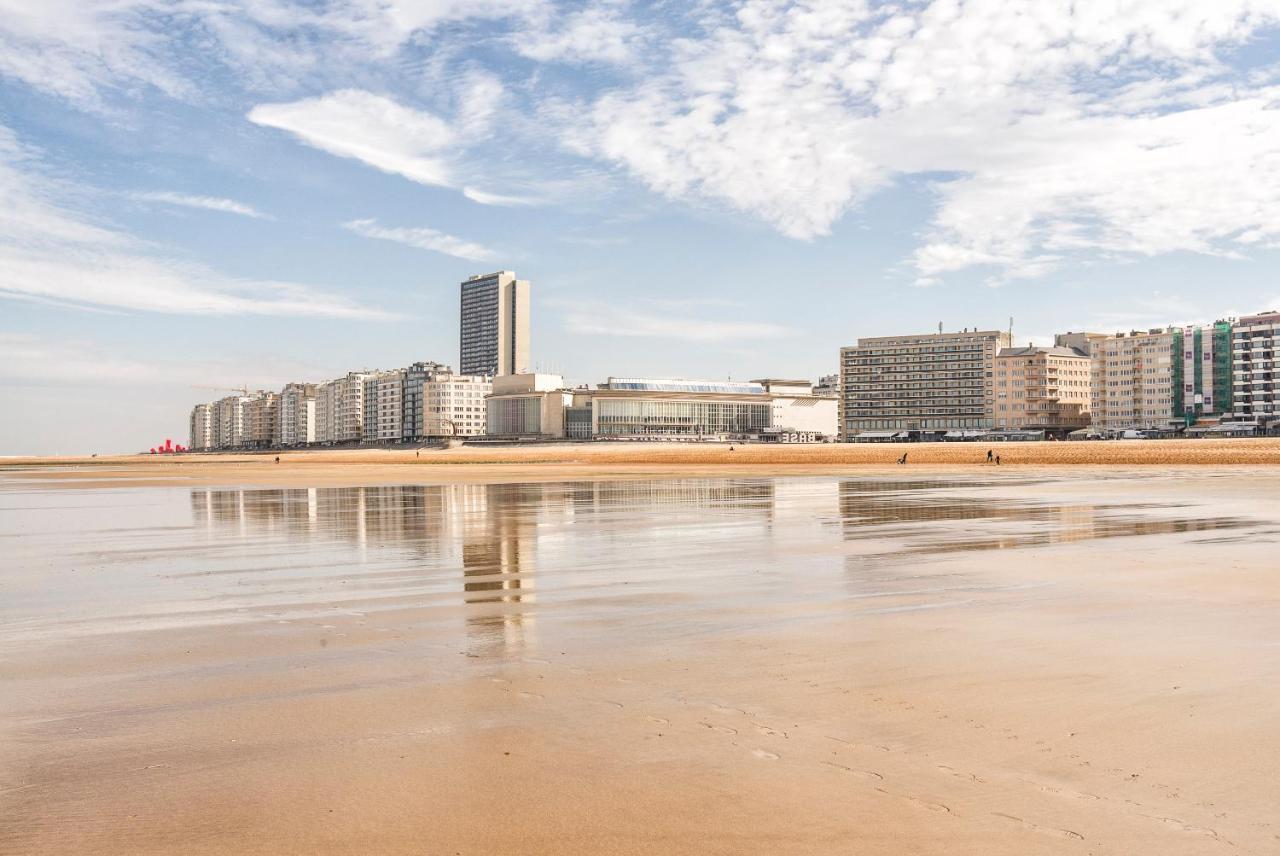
(494, 334)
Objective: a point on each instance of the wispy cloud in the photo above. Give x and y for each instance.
(369, 128)
(52, 253)
(424, 239)
(601, 320)
(208, 203)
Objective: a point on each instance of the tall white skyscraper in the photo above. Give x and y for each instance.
(494, 334)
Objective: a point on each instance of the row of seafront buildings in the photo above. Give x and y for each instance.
(1213, 378)
(949, 385)
(495, 395)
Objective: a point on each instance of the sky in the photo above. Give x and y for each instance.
(200, 195)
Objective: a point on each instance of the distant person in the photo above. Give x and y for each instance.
(731, 448)
(997, 460)
(277, 459)
(989, 454)
(903, 459)
(417, 454)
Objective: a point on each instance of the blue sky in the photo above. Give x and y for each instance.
(259, 191)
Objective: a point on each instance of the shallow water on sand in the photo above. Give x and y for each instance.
(85, 562)
(212, 651)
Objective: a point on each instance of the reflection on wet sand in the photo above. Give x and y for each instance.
(921, 518)
(729, 665)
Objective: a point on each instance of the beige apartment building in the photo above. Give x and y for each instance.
(494, 325)
(1043, 389)
(296, 425)
(201, 428)
(455, 405)
(927, 382)
(1133, 377)
(261, 418)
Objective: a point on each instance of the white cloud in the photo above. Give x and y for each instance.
(51, 253)
(424, 239)
(1053, 130)
(370, 128)
(485, 198)
(601, 320)
(209, 203)
(594, 34)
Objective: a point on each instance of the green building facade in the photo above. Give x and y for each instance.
(1202, 372)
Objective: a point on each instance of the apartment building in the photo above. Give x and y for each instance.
(494, 325)
(455, 405)
(340, 409)
(1043, 389)
(201, 437)
(926, 382)
(1202, 372)
(416, 378)
(261, 418)
(1255, 393)
(827, 385)
(384, 407)
(1133, 376)
(228, 422)
(296, 425)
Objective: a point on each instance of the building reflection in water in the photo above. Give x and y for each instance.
(934, 516)
(494, 534)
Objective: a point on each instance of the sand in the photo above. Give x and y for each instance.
(944, 661)
(626, 459)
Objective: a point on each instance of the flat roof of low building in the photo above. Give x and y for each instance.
(683, 385)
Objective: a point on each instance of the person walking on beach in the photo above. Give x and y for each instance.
(903, 459)
(988, 456)
(277, 459)
(997, 460)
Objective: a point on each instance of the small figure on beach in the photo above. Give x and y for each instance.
(277, 459)
(903, 459)
(989, 453)
(997, 460)
(731, 448)
(417, 454)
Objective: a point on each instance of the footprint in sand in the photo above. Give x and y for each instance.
(765, 755)
(1185, 827)
(658, 720)
(720, 708)
(1061, 792)
(524, 694)
(866, 774)
(767, 731)
(723, 729)
(960, 774)
(877, 747)
(1035, 827)
(922, 803)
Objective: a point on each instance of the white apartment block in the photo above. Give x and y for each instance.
(340, 409)
(384, 406)
(297, 422)
(455, 405)
(228, 422)
(1255, 394)
(201, 427)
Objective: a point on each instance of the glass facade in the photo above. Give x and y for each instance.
(641, 417)
(510, 416)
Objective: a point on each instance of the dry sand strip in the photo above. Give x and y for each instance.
(623, 459)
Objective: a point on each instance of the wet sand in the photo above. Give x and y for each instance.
(1025, 660)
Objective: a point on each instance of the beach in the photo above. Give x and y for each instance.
(640, 649)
